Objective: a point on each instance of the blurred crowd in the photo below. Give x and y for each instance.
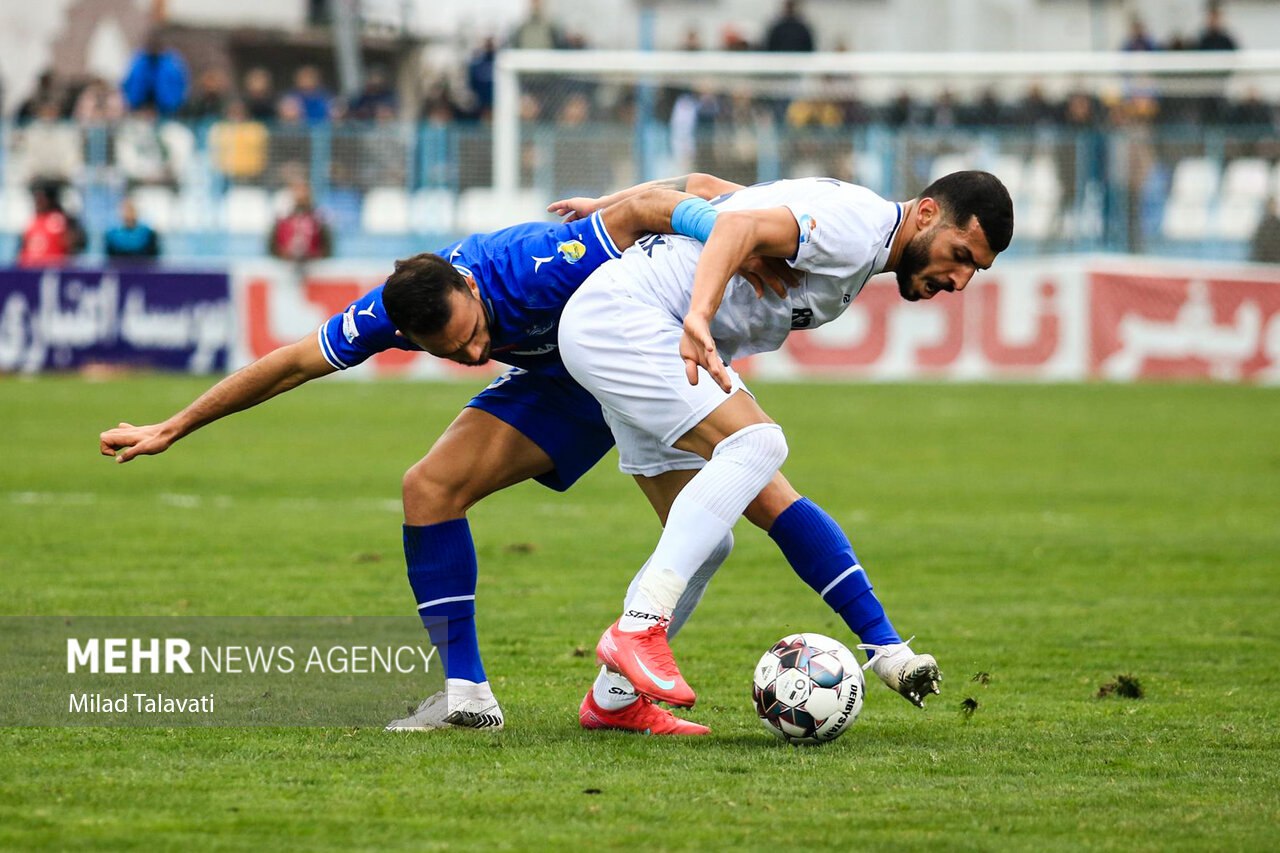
(257, 126)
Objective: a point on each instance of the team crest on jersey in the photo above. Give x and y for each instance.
(571, 250)
(807, 226)
(349, 330)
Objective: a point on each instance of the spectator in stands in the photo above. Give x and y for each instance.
(48, 91)
(48, 150)
(289, 142)
(54, 236)
(238, 145)
(944, 112)
(259, 95)
(904, 111)
(987, 111)
(141, 154)
(1214, 36)
(157, 77)
(536, 31)
(132, 239)
(789, 33)
(209, 100)
(376, 98)
(1139, 39)
(1035, 110)
(480, 76)
(99, 103)
(309, 91)
(731, 38)
(382, 152)
(1252, 110)
(302, 234)
(692, 39)
(1266, 240)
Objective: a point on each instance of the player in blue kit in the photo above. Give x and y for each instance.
(498, 296)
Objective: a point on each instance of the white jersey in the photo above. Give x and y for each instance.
(845, 234)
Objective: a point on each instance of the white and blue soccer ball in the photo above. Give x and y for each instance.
(808, 688)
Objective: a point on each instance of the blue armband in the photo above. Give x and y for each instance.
(693, 217)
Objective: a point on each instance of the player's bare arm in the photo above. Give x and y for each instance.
(697, 183)
(277, 372)
(737, 235)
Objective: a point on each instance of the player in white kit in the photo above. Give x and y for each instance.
(651, 336)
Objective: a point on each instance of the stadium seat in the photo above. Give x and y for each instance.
(385, 210)
(247, 210)
(1042, 181)
(179, 144)
(18, 209)
(484, 209)
(431, 211)
(945, 164)
(1037, 219)
(1239, 220)
(1195, 180)
(1185, 220)
(1245, 180)
(157, 206)
(199, 210)
(1011, 170)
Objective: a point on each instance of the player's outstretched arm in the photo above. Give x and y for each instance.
(278, 371)
(736, 235)
(699, 184)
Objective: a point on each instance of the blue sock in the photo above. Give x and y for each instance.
(821, 555)
(442, 571)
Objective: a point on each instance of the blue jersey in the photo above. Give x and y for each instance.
(525, 275)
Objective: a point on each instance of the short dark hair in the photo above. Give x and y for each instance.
(416, 294)
(964, 195)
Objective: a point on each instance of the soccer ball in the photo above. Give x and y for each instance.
(808, 688)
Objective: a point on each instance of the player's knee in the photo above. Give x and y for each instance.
(430, 496)
(764, 445)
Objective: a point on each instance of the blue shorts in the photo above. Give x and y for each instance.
(555, 413)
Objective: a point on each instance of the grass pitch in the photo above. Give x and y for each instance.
(1041, 541)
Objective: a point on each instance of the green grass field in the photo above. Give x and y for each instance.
(1052, 537)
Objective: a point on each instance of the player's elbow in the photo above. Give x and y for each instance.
(738, 226)
(702, 185)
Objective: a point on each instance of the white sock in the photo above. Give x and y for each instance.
(459, 690)
(612, 691)
(698, 585)
(701, 516)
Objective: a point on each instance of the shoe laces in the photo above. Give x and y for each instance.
(887, 649)
(654, 640)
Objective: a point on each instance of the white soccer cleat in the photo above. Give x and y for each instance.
(903, 671)
(463, 712)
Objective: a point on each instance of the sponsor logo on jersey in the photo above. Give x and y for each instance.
(538, 262)
(349, 330)
(571, 250)
(367, 312)
(534, 331)
(807, 226)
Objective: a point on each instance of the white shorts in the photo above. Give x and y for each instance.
(626, 352)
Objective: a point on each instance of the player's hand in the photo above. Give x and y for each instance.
(771, 273)
(127, 441)
(573, 209)
(698, 349)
